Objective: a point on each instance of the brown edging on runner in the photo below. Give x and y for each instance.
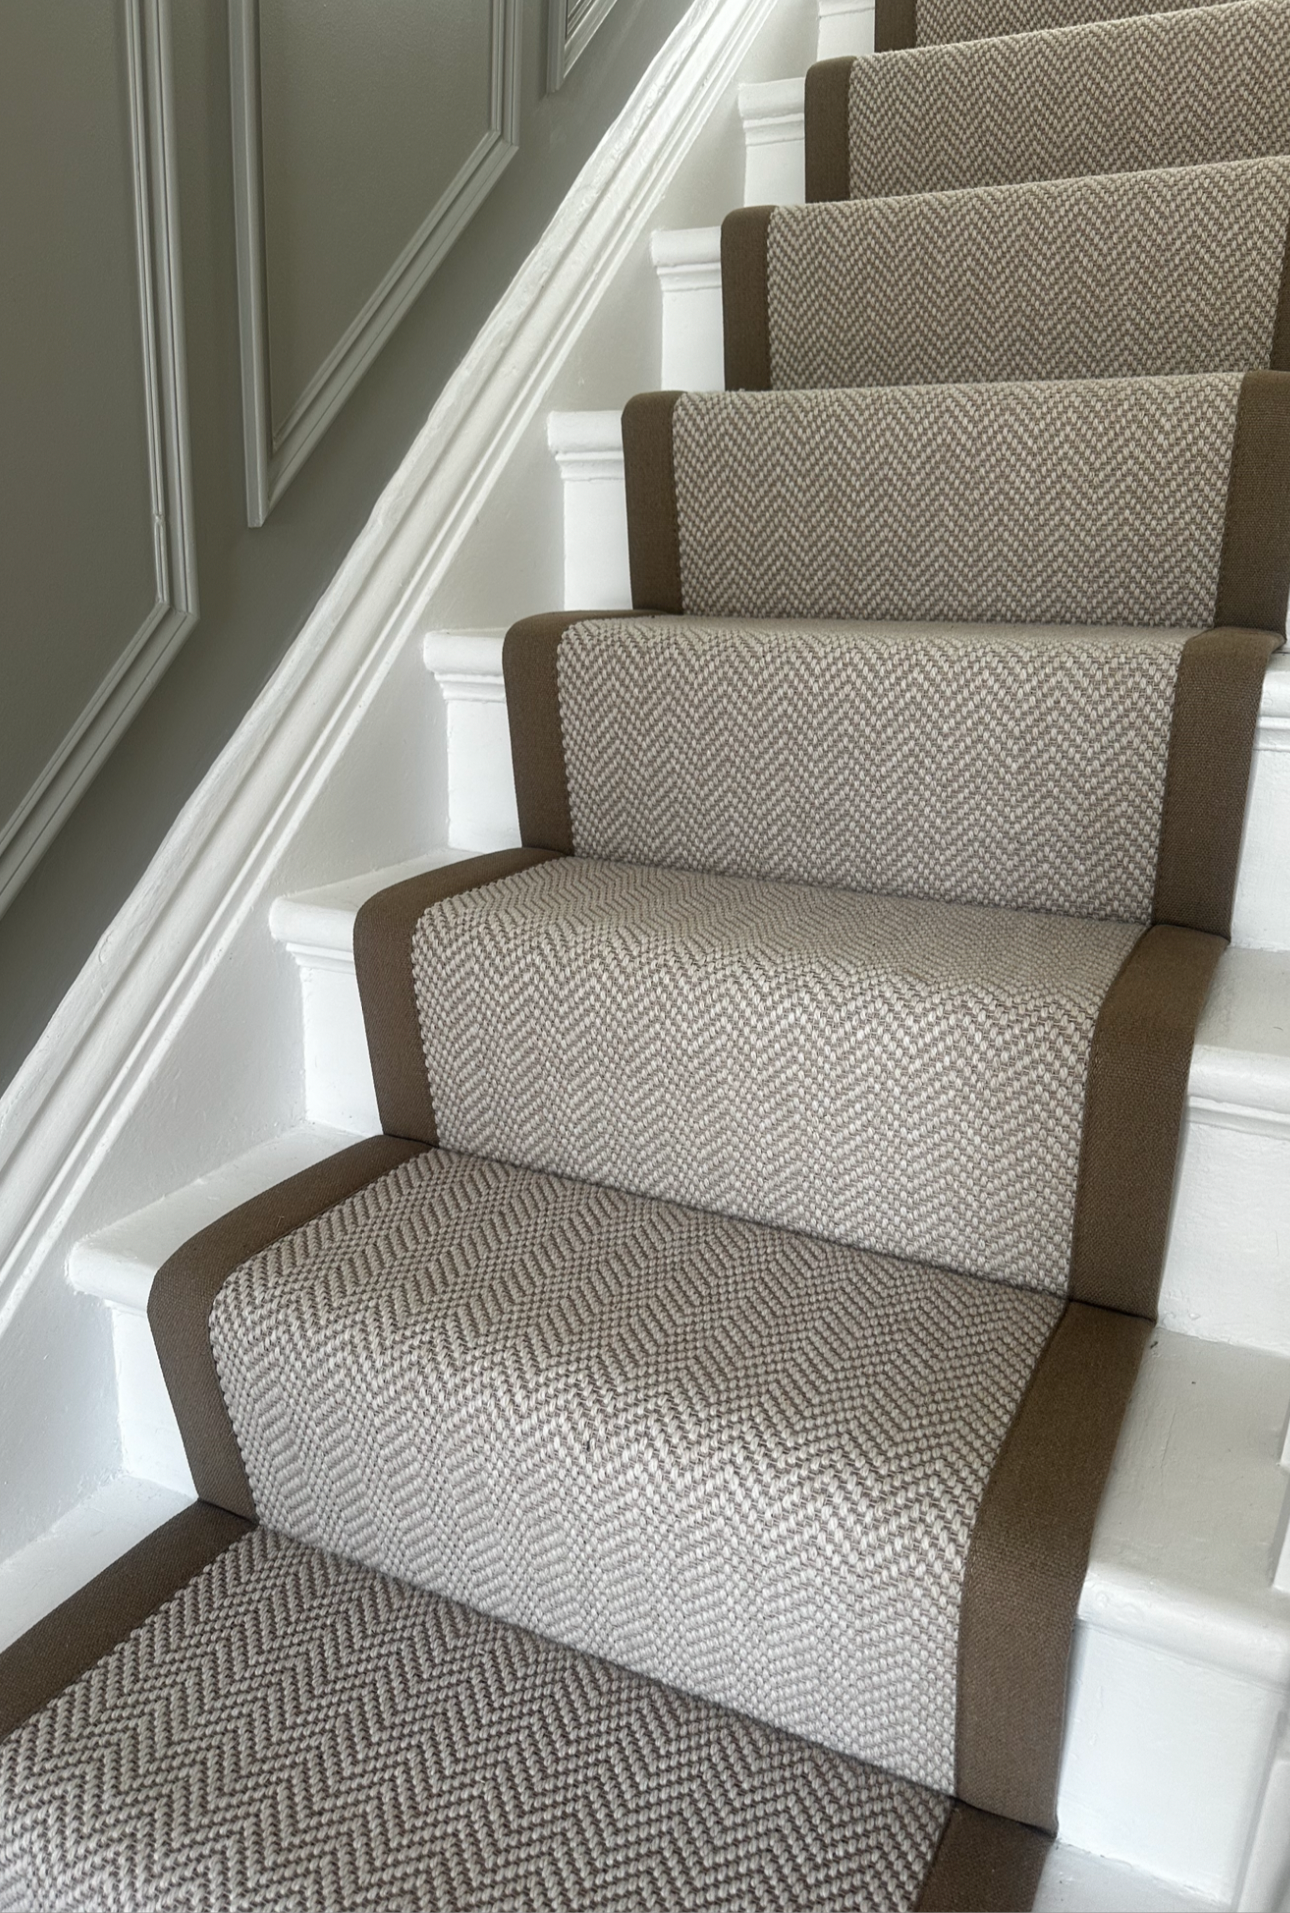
(828, 129)
(1254, 569)
(383, 963)
(895, 25)
(653, 530)
(184, 1292)
(1211, 745)
(89, 1624)
(1133, 1111)
(1279, 357)
(530, 668)
(745, 298)
(984, 1865)
(1027, 1560)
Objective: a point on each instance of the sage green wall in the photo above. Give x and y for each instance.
(76, 566)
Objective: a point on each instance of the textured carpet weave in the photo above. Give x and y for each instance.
(1130, 273)
(1076, 502)
(902, 1075)
(943, 21)
(293, 1732)
(743, 1461)
(1014, 765)
(1167, 89)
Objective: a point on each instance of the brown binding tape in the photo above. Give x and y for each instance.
(1027, 1560)
(186, 1285)
(828, 129)
(984, 1865)
(81, 1630)
(1254, 570)
(895, 25)
(531, 669)
(1133, 1110)
(653, 533)
(1279, 357)
(383, 962)
(745, 298)
(1211, 745)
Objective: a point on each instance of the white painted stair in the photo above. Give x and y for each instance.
(1175, 1788)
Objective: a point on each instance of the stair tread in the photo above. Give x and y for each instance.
(1206, 83)
(118, 1263)
(1158, 271)
(944, 22)
(407, 1751)
(740, 1460)
(863, 1067)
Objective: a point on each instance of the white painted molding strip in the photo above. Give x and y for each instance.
(86, 1077)
(145, 653)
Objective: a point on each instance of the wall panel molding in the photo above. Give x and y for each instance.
(25, 835)
(275, 455)
(570, 25)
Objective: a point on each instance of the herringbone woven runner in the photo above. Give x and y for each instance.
(294, 1732)
(1071, 502)
(743, 1461)
(940, 22)
(996, 764)
(901, 1075)
(1126, 274)
(1166, 89)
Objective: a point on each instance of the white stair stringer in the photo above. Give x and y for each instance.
(118, 1265)
(1182, 1653)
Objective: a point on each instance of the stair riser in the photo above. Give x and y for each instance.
(844, 28)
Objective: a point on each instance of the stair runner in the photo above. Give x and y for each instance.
(659, 1470)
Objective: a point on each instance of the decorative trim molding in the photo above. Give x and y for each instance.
(25, 835)
(87, 1084)
(570, 25)
(273, 457)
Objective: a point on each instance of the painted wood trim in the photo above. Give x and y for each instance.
(273, 457)
(569, 29)
(73, 1118)
(26, 833)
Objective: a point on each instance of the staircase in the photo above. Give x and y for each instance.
(1074, 284)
